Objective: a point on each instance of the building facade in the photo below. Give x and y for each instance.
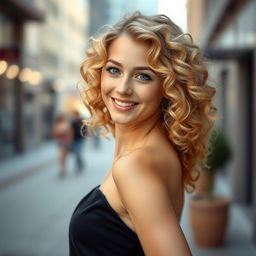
(226, 31)
(42, 44)
(14, 97)
(108, 12)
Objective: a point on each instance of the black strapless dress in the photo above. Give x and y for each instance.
(97, 230)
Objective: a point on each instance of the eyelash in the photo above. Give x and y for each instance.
(113, 68)
(115, 71)
(148, 78)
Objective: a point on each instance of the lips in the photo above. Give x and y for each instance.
(124, 104)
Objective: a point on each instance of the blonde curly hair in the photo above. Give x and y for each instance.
(187, 111)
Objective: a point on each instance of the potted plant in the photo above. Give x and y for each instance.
(209, 213)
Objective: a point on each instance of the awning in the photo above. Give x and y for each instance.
(222, 54)
(21, 10)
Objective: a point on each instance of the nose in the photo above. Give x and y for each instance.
(124, 86)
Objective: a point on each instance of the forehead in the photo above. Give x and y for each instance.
(127, 48)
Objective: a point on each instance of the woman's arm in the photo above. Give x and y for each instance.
(145, 196)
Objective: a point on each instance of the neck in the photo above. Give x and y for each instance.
(131, 137)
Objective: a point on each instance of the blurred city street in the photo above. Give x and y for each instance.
(42, 47)
(36, 207)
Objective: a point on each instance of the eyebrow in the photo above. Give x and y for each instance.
(136, 68)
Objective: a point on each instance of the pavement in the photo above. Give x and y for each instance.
(238, 238)
(19, 166)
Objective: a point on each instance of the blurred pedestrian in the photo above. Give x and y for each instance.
(63, 133)
(146, 83)
(79, 131)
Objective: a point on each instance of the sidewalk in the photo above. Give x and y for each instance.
(19, 166)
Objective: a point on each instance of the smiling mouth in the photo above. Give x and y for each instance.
(124, 104)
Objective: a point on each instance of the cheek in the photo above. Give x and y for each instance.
(154, 95)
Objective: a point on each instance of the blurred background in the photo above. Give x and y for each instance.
(42, 45)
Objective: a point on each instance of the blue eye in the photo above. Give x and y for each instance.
(113, 71)
(144, 77)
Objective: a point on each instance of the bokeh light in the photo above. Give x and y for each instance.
(25, 74)
(35, 78)
(58, 85)
(12, 71)
(3, 66)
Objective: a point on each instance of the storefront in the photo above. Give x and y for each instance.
(15, 99)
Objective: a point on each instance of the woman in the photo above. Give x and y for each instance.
(147, 85)
(63, 133)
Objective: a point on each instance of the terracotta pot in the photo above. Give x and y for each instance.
(208, 220)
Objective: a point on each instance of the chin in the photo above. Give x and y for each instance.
(121, 121)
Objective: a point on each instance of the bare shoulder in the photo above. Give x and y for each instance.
(140, 178)
(139, 163)
(161, 164)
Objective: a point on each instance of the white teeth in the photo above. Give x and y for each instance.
(124, 104)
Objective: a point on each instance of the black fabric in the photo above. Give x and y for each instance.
(97, 230)
(79, 129)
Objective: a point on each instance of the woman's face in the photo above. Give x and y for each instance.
(131, 91)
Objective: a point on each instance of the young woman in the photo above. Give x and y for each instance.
(147, 85)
